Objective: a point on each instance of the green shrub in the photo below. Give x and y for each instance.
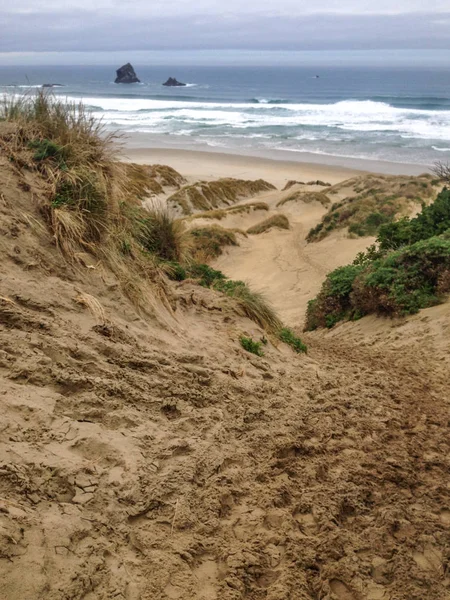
(333, 302)
(287, 336)
(399, 283)
(207, 275)
(250, 346)
(433, 220)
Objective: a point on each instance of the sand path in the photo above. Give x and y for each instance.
(280, 263)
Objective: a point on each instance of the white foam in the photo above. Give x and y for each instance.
(300, 121)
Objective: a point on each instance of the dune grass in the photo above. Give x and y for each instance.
(93, 204)
(306, 197)
(371, 202)
(208, 242)
(279, 221)
(222, 213)
(165, 236)
(209, 195)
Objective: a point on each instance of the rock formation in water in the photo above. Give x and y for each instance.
(126, 74)
(172, 82)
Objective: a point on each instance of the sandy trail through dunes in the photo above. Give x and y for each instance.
(280, 263)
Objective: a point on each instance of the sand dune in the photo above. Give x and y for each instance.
(280, 263)
(152, 458)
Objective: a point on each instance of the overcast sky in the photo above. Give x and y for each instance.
(30, 26)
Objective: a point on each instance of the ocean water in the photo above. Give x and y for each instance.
(396, 114)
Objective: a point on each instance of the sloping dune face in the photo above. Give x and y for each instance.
(149, 457)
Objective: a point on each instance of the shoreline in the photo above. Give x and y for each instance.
(210, 163)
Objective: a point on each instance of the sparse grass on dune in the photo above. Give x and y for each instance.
(222, 213)
(204, 195)
(93, 202)
(279, 221)
(254, 305)
(372, 201)
(293, 182)
(209, 241)
(306, 197)
(93, 205)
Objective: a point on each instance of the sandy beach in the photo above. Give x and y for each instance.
(196, 164)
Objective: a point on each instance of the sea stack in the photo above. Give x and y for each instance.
(172, 82)
(126, 74)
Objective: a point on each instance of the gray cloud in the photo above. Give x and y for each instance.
(115, 25)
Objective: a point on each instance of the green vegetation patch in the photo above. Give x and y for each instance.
(374, 202)
(407, 271)
(251, 346)
(287, 336)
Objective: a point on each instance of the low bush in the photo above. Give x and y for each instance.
(333, 302)
(433, 220)
(398, 283)
(250, 346)
(287, 336)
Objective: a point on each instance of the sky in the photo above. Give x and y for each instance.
(37, 28)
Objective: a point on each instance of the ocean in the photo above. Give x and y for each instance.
(394, 114)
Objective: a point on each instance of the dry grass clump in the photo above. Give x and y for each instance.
(165, 236)
(291, 183)
(280, 221)
(208, 242)
(92, 201)
(371, 201)
(166, 176)
(221, 213)
(205, 195)
(306, 197)
(150, 180)
(94, 307)
(71, 150)
(319, 182)
(253, 304)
